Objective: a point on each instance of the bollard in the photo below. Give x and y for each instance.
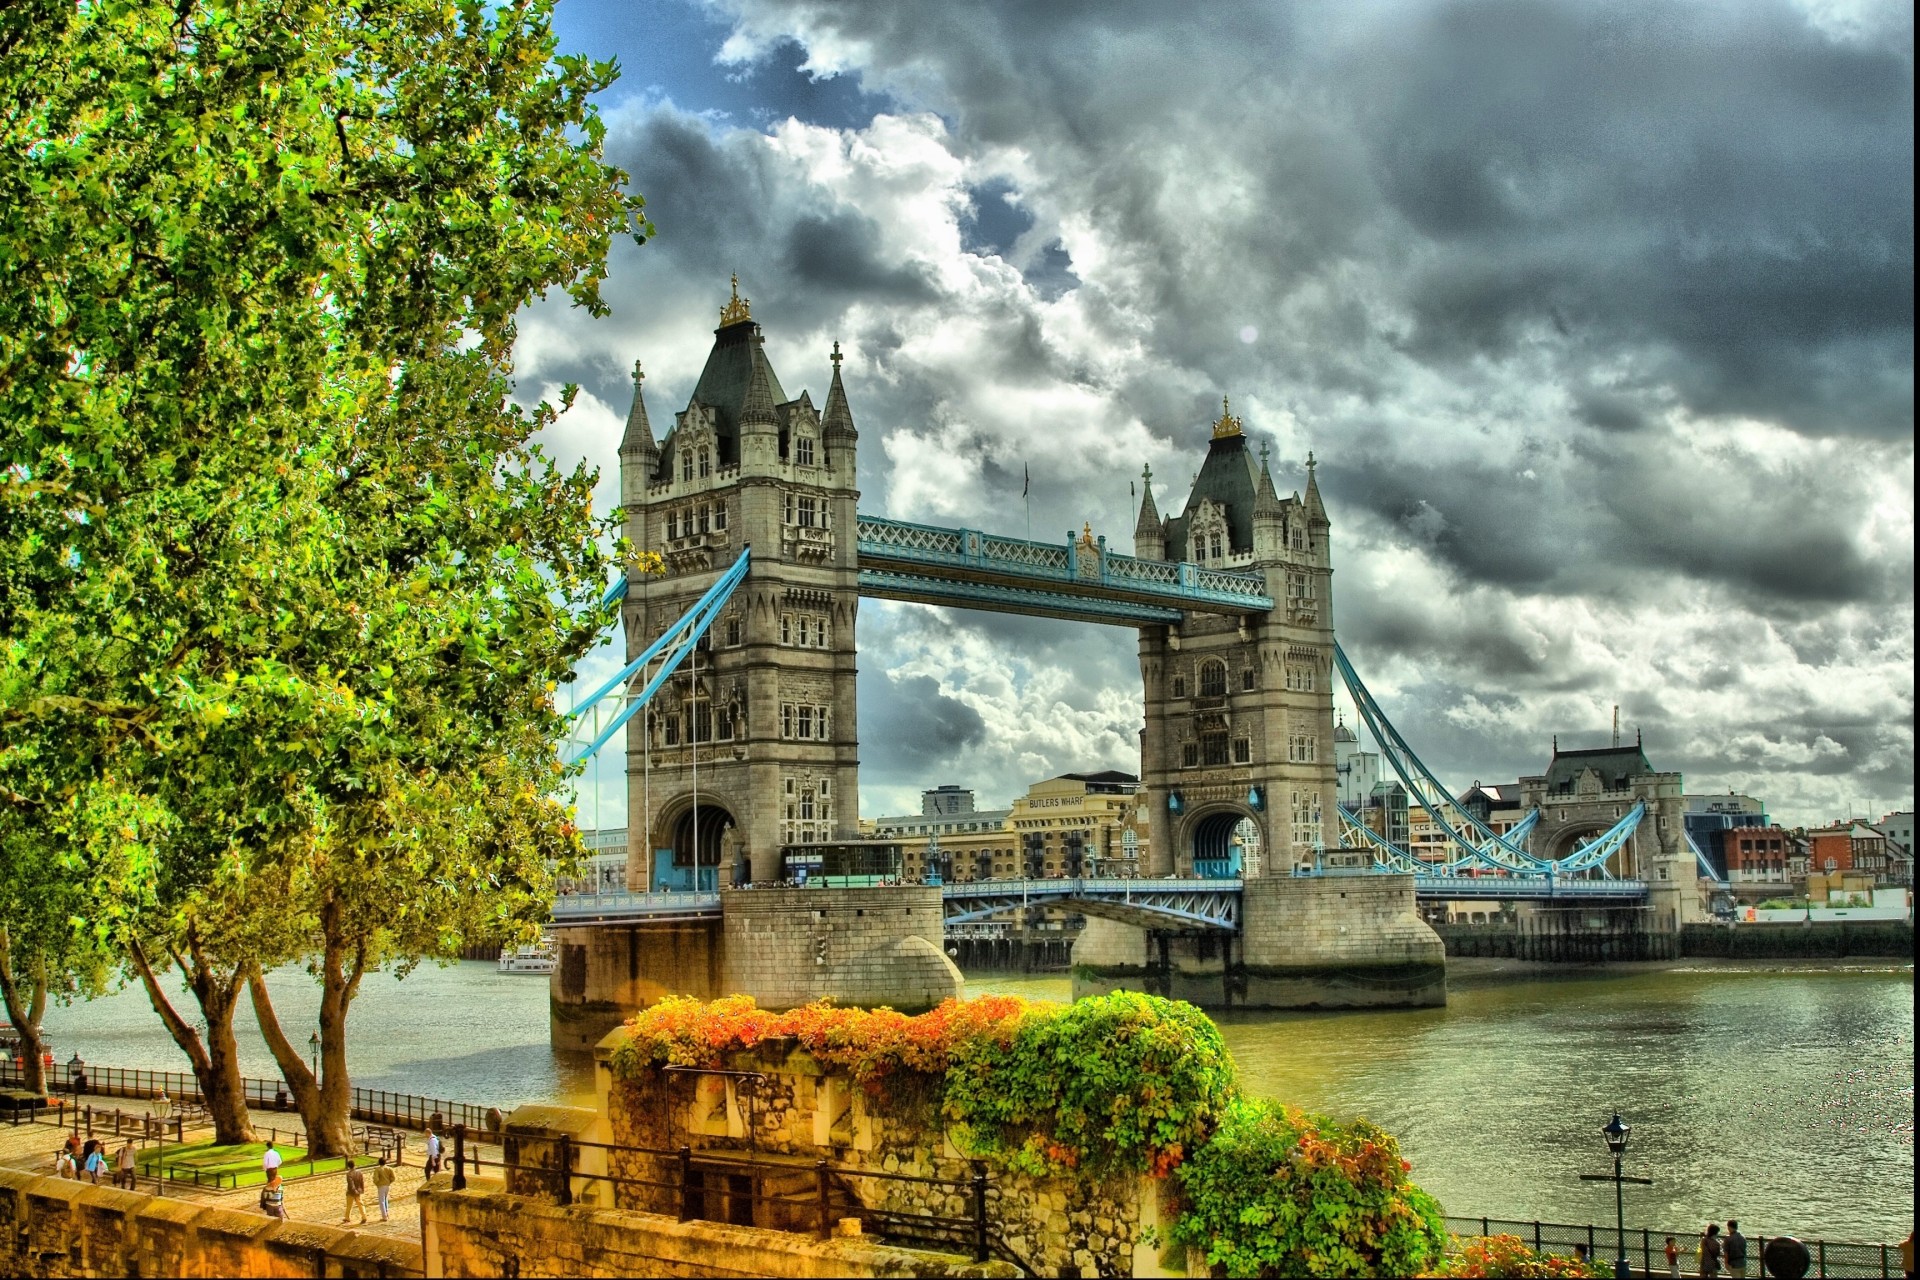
(823, 1198)
(566, 1168)
(980, 1212)
(459, 1157)
(686, 1183)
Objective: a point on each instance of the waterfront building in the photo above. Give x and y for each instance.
(1078, 824)
(1758, 860)
(1358, 771)
(1897, 827)
(604, 870)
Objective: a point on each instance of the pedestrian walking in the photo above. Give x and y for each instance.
(270, 1160)
(1710, 1252)
(73, 1149)
(1673, 1256)
(123, 1172)
(1736, 1250)
(273, 1197)
(383, 1186)
(63, 1165)
(96, 1161)
(433, 1153)
(356, 1190)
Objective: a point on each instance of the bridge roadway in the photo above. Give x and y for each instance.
(1170, 903)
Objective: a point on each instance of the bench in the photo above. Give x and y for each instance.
(381, 1140)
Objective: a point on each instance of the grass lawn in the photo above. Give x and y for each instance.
(228, 1164)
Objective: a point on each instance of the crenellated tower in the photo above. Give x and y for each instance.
(1239, 711)
(752, 745)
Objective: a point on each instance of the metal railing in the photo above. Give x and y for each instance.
(1646, 1248)
(379, 1106)
(814, 1206)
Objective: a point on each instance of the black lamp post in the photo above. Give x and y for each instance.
(313, 1054)
(1616, 1132)
(77, 1082)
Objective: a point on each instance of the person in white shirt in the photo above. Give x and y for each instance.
(270, 1161)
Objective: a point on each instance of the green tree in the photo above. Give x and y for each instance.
(239, 242)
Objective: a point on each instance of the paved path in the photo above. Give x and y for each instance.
(319, 1198)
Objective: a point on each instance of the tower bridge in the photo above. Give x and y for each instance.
(742, 747)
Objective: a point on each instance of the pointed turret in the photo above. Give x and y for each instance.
(638, 440)
(1269, 516)
(837, 419)
(1315, 511)
(1149, 531)
(759, 423)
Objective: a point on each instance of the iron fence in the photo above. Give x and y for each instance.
(378, 1106)
(751, 1189)
(1646, 1248)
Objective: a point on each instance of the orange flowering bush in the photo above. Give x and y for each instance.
(1507, 1257)
(868, 1044)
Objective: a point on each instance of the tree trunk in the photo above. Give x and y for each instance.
(326, 1101)
(25, 1016)
(216, 1062)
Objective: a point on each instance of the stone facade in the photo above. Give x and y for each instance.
(763, 718)
(878, 946)
(55, 1227)
(604, 975)
(1585, 792)
(1239, 711)
(792, 1109)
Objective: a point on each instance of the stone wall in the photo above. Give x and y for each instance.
(800, 1114)
(55, 1227)
(1308, 942)
(487, 1231)
(878, 946)
(607, 973)
(1571, 936)
(1831, 941)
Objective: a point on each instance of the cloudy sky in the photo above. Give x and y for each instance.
(1598, 317)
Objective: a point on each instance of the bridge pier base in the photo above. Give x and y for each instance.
(1312, 942)
(783, 947)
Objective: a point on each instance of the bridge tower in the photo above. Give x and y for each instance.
(753, 743)
(1239, 710)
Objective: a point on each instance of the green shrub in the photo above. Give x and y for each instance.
(1116, 1083)
(1277, 1192)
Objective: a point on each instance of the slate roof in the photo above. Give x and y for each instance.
(1228, 477)
(724, 381)
(1614, 765)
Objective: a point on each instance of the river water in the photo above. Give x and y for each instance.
(1781, 1096)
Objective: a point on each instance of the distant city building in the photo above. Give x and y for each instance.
(1078, 824)
(605, 868)
(946, 800)
(1710, 818)
(1757, 856)
(1356, 771)
(1897, 827)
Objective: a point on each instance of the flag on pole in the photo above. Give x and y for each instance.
(1026, 480)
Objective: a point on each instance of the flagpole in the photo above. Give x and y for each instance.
(1026, 497)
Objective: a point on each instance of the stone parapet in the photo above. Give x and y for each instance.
(485, 1231)
(54, 1227)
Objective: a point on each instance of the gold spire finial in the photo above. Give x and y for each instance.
(736, 310)
(1228, 425)
(1086, 535)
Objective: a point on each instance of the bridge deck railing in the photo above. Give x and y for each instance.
(1059, 563)
(575, 906)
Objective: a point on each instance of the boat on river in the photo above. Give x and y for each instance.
(535, 959)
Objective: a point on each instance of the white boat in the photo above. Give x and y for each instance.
(534, 959)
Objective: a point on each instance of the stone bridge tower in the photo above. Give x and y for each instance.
(1239, 711)
(752, 745)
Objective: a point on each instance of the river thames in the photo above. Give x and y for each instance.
(1781, 1096)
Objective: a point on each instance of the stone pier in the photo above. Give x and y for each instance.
(783, 947)
(1308, 942)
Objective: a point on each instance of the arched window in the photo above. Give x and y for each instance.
(703, 462)
(686, 466)
(1213, 679)
(1213, 547)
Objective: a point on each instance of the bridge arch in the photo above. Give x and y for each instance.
(694, 846)
(1564, 840)
(1209, 837)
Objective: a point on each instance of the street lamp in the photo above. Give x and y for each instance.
(313, 1054)
(1616, 1132)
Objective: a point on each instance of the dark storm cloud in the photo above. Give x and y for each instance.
(908, 727)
